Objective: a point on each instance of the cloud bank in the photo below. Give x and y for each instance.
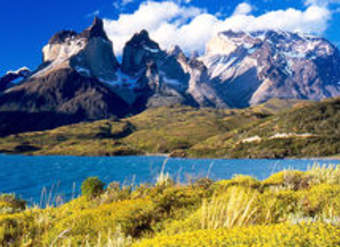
(171, 23)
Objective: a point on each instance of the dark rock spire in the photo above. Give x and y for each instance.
(95, 30)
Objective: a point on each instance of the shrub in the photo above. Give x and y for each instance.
(203, 183)
(238, 180)
(289, 179)
(279, 235)
(239, 212)
(132, 217)
(92, 187)
(9, 203)
(324, 174)
(114, 193)
(171, 199)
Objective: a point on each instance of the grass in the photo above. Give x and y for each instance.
(290, 208)
(161, 130)
(276, 129)
(306, 130)
(237, 208)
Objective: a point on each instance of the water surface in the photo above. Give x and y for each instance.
(37, 178)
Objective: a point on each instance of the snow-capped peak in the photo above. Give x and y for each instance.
(23, 70)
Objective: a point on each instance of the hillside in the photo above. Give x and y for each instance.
(276, 129)
(290, 208)
(159, 130)
(307, 131)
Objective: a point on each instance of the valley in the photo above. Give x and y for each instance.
(276, 129)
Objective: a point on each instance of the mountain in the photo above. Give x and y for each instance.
(250, 68)
(67, 87)
(80, 78)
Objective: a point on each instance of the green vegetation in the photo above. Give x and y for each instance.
(290, 208)
(306, 130)
(276, 129)
(10, 204)
(92, 187)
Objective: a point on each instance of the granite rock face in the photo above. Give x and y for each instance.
(90, 53)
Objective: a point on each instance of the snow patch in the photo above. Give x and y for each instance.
(293, 54)
(60, 52)
(83, 70)
(252, 139)
(150, 49)
(18, 71)
(290, 135)
(252, 50)
(171, 81)
(122, 80)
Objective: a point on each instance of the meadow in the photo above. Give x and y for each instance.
(289, 208)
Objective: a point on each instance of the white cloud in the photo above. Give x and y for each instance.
(321, 2)
(243, 9)
(171, 23)
(152, 16)
(313, 20)
(120, 4)
(125, 2)
(94, 13)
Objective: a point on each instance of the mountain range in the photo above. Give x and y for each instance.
(81, 79)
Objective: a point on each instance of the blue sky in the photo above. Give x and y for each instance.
(27, 25)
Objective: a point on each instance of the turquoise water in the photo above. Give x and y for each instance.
(39, 179)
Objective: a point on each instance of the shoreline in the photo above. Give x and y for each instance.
(167, 155)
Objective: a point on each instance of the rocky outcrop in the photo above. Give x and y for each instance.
(11, 76)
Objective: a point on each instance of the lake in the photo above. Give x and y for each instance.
(40, 179)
